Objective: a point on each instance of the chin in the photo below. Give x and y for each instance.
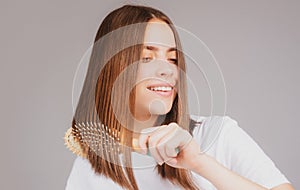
(159, 110)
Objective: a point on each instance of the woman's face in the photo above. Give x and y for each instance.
(157, 72)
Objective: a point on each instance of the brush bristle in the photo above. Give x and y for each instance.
(72, 144)
(98, 137)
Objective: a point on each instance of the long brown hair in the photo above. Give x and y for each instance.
(99, 91)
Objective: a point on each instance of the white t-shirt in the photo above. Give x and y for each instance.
(219, 137)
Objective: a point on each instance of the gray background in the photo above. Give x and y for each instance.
(255, 42)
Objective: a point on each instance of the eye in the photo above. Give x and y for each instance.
(146, 59)
(173, 60)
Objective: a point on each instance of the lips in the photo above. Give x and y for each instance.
(162, 89)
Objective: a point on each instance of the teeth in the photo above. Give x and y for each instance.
(161, 88)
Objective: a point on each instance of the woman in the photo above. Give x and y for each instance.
(133, 111)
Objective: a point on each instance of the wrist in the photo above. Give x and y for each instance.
(202, 163)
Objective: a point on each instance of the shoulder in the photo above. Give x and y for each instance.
(223, 132)
(207, 130)
(215, 121)
(223, 138)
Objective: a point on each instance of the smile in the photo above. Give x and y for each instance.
(161, 88)
(165, 91)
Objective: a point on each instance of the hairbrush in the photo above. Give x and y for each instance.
(98, 137)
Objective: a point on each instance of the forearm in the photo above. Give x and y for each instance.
(221, 177)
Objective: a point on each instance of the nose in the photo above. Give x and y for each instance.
(165, 69)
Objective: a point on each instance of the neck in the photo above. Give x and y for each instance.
(139, 125)
(143, 123)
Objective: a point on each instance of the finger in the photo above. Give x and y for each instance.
(143, 138)
(156, 145)
(180, 140)
(163, 146)
(172, 162)
(186, 142)
(142, 142)
(154, 152)
(164, 152)
(172, 141)
(171, 150)
(185, 139)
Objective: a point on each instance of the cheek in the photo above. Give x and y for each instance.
(139, 90)
(145, 71)
(141, 93)
(176, 72)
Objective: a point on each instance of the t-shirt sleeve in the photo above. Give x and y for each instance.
(245, 157)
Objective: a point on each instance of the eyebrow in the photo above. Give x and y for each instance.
(153, 48)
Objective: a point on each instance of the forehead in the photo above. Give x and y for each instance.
(159, 33)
